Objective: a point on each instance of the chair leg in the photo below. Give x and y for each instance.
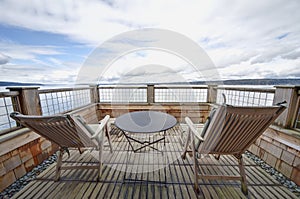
(108, 138)
(243, 175)
(187, 142)
(181, 135)
(109, 142)
(58, 165)
(217, 157)
(195, 167)
(100, 167)
(81, 150)
(100, 160)
(196, 186)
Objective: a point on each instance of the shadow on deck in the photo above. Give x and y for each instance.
(173, 181)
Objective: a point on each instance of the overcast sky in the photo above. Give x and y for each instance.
(49, 41)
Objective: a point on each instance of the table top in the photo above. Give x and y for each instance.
(145, 122)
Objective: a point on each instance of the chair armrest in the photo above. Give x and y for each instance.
(193, 129)
(102, 125)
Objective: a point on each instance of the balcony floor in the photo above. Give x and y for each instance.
(179, 175)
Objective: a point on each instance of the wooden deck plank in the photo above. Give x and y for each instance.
(117, 187)
(120, 158)
(175, 172)
(143, 189)
(258, 179)
(136, 192)
(114, 176)
(179, 175)
(34, 184)
(105, 174)
(186, 178)
(108, 187)
(71, 188)
(173, 191)
(233, 170)
(222, 190)
(98, 188)
(81, 187)
(48, 187)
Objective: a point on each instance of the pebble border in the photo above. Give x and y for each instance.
(23, 181)
(293, 187)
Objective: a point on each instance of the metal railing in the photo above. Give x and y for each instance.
(8, 103)
(55, 101)
(180, 94)
(246, 96)
(161, 94)
(123, 94)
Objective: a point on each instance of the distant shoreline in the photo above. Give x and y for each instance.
(270, 82)
(2, 83)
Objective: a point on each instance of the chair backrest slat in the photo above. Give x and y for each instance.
(60, 129)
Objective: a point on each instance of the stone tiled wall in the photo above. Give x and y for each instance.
(280, 152)
(19, 161)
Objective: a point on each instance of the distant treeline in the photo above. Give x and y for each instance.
(18, 84)
(253, 82)
(225, 82)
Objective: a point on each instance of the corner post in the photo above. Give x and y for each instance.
(290, 95)
(29, 100)
(212, 94)
(94, 93)
(150, 94)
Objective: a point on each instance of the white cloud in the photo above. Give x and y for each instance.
(36, 73)
(4, 59)
(245, 39)
(277, 68)
(26, 52)
(26, 65)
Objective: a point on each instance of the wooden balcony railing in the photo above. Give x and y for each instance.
(239, 96)
(31, 100)
(55, 101)
(153, 94)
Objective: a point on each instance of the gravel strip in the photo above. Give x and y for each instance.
(293, 187)
(23, 181)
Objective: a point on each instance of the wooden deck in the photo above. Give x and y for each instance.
(152, 184)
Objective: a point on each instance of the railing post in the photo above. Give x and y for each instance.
(29, 100)
(16, 103)
(212, 93)
(290, 95)
(150, 94)
(94, 93)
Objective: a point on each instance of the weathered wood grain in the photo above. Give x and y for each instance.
(179, 175)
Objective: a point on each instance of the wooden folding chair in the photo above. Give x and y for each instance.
(68, 131)
(230, 132)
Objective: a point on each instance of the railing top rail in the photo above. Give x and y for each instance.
(266, 90)
(163, 86)
(181, 87)
(63, 89)
(9, 94)
(122, 87)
